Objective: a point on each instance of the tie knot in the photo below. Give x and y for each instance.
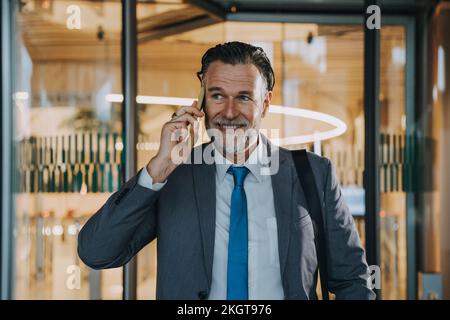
(239, 174)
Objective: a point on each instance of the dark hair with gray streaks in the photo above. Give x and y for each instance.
(239, 53)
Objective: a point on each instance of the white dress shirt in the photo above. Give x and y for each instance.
(264, 277)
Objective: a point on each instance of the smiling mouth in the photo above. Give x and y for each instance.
(230, 126)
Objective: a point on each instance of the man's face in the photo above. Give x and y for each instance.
(236, 99)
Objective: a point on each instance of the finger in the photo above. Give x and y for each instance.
(173, 129)
(172, 125)
(193, 110)
(180, 135)
(176, 132)
(187, 118)
(184, 136)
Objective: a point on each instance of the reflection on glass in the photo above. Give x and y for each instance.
(67, 142)
(323, 70)
(396, 163)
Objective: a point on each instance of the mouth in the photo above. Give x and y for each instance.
(224, 127)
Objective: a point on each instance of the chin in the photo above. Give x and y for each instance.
(232, 141)
(230, 148)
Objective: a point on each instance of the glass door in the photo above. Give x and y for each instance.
(318, 67)
(67, 142)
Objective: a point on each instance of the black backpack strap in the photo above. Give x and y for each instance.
(306, 178)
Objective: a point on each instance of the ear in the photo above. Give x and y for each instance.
(266, 103)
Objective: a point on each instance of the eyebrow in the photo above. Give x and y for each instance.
(221, 89)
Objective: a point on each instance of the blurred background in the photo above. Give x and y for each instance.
(71, 137)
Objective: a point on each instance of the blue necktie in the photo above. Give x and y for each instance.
(237, 272)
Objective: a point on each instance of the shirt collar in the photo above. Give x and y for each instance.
(256, 161)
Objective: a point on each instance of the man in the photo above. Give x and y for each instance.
(225, 228)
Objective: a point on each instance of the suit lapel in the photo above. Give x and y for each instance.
(282, 195)
(205, 196)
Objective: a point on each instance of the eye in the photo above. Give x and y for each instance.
(216, 96)
(244, 98)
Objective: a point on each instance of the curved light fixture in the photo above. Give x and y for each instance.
(339, 126)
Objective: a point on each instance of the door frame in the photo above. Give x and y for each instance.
(6, 154)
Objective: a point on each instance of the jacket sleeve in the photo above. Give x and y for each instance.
(347, 267)
(122, 227)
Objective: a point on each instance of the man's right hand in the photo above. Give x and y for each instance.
(174, 134)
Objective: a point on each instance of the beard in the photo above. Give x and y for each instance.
(231, 136)
(233, 142)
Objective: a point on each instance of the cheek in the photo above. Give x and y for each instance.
(209, 115)
(252, 117)
(256, 116)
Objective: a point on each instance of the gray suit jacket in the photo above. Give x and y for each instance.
(182, 217)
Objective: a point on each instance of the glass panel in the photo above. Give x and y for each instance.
(323, 72)
(396, 166)
(317, 67)
(433, 121)
(67, 142)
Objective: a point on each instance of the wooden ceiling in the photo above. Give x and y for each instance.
(164, 47)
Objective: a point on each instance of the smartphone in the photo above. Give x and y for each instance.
(200, 106)
(201, 98)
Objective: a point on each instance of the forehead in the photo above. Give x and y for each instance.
(228, 76)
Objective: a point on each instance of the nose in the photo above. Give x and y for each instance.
(231, 111)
